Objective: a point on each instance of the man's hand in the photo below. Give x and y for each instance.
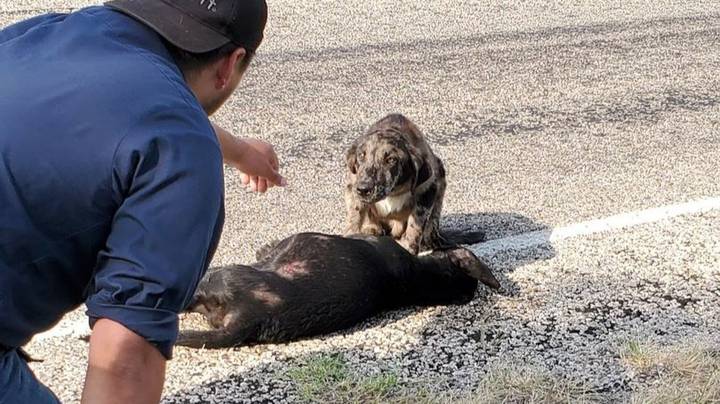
(258, 153)
(254, 158)
(122, 367)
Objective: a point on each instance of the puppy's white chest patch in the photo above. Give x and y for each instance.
(392, 204)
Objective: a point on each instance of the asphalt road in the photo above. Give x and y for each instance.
(546, 114)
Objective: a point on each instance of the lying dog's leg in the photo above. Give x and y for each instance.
(213, 339)
(207, 339)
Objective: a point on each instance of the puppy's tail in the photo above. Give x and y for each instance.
(454, 237)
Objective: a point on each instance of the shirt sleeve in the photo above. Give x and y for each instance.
(169, 182)
(18, 29)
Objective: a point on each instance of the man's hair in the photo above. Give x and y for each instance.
(191, 62)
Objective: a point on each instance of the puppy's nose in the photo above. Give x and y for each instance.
(364, 189)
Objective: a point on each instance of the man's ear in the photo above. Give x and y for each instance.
(351, 158)
(226, 67)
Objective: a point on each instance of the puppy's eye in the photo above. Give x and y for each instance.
(391, 160)
(361, 156)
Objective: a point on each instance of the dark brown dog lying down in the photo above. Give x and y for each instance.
(311, 284)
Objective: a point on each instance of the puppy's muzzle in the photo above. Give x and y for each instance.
(364, 189)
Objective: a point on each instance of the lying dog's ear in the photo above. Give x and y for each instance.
(473, 266)
(351, 158)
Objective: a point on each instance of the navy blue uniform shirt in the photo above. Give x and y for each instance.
(111, 184)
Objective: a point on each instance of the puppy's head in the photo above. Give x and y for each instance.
(466, 261)
(384, 160)
(211, 299)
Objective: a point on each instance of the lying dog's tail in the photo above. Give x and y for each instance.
(447, 238)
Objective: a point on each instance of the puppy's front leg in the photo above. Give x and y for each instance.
(412, 237)
(355, 212)
(359, 220)
(371, 228)
(418, 221)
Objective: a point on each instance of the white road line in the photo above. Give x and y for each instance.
(517, 242)
(621, 221)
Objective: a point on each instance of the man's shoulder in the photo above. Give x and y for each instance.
(137, 59)
(132, 76)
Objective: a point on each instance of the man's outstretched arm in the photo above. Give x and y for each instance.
(255, 158)
(122, 367)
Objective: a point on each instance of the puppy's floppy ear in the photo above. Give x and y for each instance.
(412, 137)
(473, 266)
(351, 158)
(423, 172)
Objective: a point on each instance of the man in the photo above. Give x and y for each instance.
(111, 186)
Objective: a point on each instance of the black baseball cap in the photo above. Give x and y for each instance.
(199, 26)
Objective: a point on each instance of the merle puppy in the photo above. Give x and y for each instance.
(311, 284)
(395, 186)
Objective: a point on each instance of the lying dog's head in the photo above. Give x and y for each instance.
(385, 159)
(211, 299)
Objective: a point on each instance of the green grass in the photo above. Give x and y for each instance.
(515, 384)
(684, 374)
(639, 356)
(327, 378)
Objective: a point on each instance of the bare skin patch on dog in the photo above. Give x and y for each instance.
(267, 297)
(293, 270)
(227, 320)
